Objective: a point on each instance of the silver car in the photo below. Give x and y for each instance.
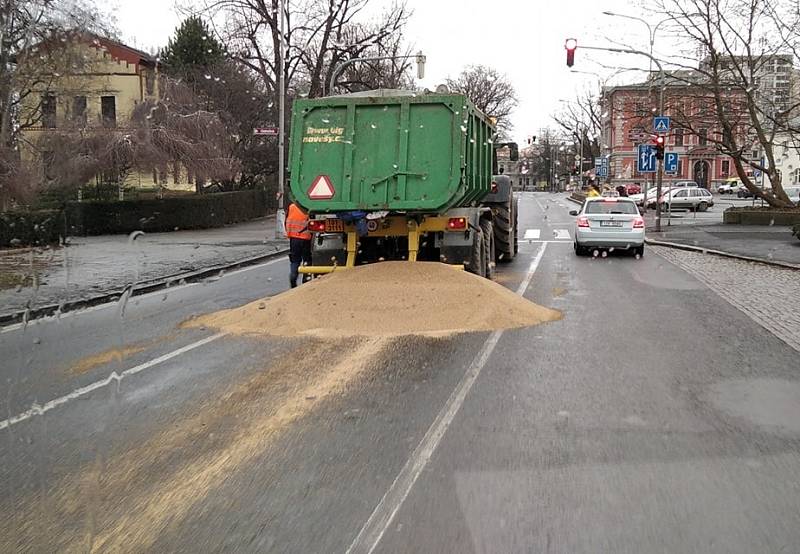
(695, 198)
(609, 223)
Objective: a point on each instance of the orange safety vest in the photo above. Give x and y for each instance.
(297, 223)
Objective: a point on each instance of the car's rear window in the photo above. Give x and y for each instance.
(611, 207)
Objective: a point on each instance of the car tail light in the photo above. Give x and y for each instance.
(583, 221)
(456, 223)
(494, 187)
(638, 223)
(316, 225)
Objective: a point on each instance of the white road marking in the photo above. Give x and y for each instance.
(545, 242)
(561, 234)
(77, 393)
(171, 288)
(377, 524)
(532, 234)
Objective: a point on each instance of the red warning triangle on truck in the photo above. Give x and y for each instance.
(321, 188)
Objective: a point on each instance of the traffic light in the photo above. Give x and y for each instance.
(570, 44)
(658, 142)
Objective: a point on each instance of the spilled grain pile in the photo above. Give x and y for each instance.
(385, 299)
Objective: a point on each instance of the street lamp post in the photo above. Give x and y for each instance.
(280, 215)
(652, 30)
(419, 57)
(660, 170)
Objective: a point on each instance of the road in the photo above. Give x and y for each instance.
(656, 416)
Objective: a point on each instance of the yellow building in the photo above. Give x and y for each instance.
(91, 82)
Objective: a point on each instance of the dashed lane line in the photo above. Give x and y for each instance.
(381, 518)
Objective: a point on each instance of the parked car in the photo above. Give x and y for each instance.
(652, 195)
(694, 198)
(634, 188)
(682, 184)
(730, 186)
(742, 192)
(609, 223)
(793, 192)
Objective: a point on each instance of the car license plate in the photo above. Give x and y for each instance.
(610, 224)
(334, 226)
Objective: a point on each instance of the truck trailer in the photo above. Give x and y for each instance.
(397, 175)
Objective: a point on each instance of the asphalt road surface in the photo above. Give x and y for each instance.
(656, 416)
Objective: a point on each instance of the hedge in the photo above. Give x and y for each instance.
(761, 216)
(151, 215)
(31, 228)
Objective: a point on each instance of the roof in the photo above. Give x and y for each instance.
(121, 51)
(117, 50)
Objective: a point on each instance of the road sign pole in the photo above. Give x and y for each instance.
(280, 215)
(659, 180)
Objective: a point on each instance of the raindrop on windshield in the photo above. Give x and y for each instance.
(463, 129)
(373, 126)
(207, 76)
(134, 235)
(326, 120)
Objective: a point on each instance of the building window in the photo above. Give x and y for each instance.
(726, 167)
(679, 137)
(49, 111)
(680, 168)
(108, 107)
(79, 110)
(702, 137)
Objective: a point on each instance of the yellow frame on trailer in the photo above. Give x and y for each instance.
(392, 226)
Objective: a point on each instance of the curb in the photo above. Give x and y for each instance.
(678, 246)
(138, 290)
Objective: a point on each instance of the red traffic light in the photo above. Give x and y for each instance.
(570, 45)
(658, 141)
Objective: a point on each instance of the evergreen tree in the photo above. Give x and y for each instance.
(192, 48)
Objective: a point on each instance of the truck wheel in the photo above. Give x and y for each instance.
(516, 227)
(477, 261)
(504, 234)
(488, 247)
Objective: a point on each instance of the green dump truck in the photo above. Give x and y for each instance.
(400, 175)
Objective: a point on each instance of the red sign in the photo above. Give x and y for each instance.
(321, 188)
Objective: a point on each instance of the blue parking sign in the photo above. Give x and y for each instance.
(671, 162)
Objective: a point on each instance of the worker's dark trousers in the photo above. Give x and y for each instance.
(299, 252)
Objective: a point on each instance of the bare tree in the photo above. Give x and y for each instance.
(490, 91)
(581, 118)
(734, 95)
(318, 36)
(173, 130)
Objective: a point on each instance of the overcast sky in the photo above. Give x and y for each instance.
(522, 38)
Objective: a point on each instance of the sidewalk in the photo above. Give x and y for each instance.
(769, 243)
(92, 267)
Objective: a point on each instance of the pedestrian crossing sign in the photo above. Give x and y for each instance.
(661, 124)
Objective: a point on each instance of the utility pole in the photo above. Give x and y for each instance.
(280, 216)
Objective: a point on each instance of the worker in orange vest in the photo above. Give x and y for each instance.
(299, 241)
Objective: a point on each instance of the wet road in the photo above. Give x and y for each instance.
(637, 423)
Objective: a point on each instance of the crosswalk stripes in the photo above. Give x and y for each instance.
(558, 234)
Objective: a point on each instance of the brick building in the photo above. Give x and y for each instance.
(628, 112)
